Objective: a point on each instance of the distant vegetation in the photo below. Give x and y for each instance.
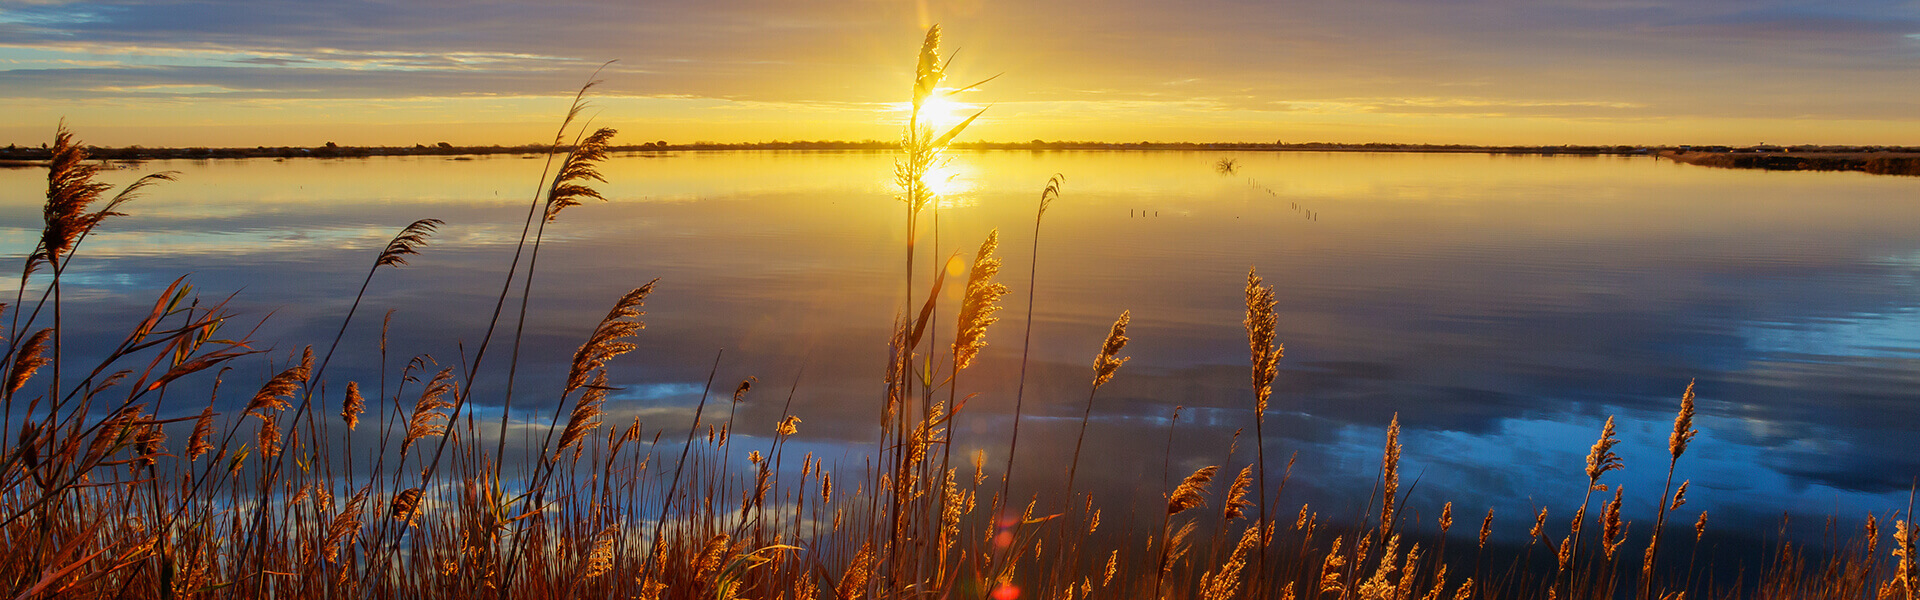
(18, 156)
(277, 491)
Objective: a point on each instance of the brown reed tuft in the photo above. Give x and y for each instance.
(1907, 571)
(346, 525)
(30, 357)
(427, 420)
(1331, 568)
(1539, 526)
(1466, 590)
(1237, 495)
(1486, 528)
(1680, 497)
(406, 506)
(1446, 518)
(354, 405)
(570, 184)
(600, 556)
(70, 191)
(609, 338)
(1601, 458)
(1261, 322)
(1225, 584)
(1700, 527)
(1612, 532)
(408, 242)
(1104, 364)
(586, 413)
(268, 436)
(1189, 493)
(977, 305)
(278, 391)
(1390, 473)
(853, 584)
(197, 442)
(1683, 430)
(787, 426)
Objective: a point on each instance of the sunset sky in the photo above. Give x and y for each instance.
(400, 72)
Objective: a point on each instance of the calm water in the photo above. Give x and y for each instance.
(1503, 306)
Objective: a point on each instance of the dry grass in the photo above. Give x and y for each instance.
(97, 500)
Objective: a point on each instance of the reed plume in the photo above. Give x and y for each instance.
(600, 555)
(355, 404)
(1261, 322)
(1105, 365)
(346, 525)
(977, 305)
(1190, 493)
(1683, 433)
(1486, 528)
(426, 419)
(1237, 496)
(1331, 567)
(1700, 527)
(609, 339)
(406, 506)
(581, 166)
(586, 413)
(70, 191)
(1446, 518)
(277, 393)
(1907, 571)
(787, 426)
(28, 359)
(197, 442)
(1601, 458)
(408, 242)
(1612, 532)
(1390, 475)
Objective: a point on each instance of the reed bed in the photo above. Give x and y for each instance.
(392, 489)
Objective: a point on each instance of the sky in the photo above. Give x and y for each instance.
(401, 72)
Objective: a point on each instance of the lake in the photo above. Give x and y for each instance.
(1502, 306)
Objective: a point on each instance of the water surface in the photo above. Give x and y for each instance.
(1502, 306)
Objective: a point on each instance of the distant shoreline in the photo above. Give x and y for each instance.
(1906, 162)
(1874, 159)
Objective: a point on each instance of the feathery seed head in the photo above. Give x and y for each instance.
(406, 506)
(586, 413)
(1486, 528)
(1612, 532)
(1189, 493)
(1446, 518)
(197, 443)
(408, 242)
(1261, 322)
(1390, 468)
(1680, 497)
(278, 391)
(570, 184)
(30, 357)
(1601, 458)
(977, 306)
(787, 426)
(354, 405)
(609, 339)
(1237, 494)
(1683, 430)
(427, 420)
(1104, 364)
